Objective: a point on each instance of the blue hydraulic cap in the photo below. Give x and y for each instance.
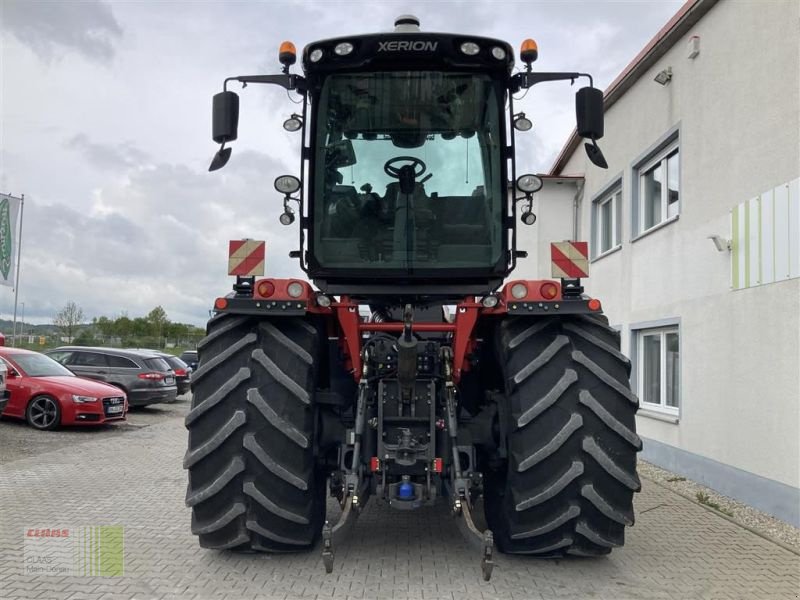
(405, 491)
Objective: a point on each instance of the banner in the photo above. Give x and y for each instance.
(9, 230)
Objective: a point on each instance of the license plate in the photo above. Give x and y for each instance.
(169, 380)
(113, 410)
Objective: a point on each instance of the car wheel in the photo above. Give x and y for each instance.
(43, 413)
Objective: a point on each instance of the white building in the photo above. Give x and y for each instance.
(712, 149)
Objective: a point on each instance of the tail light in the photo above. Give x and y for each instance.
(548, 290)
(151, 376)
(265, 288)
(594, 304)
(180, 372)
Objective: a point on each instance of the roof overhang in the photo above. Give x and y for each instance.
(688, 15)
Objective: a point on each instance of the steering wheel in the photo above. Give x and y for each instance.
(392, 171)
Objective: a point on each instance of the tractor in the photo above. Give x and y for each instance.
(410, 368)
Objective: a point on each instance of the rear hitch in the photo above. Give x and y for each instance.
(353, 484)
(331, 536)
(461, 486)
(481, 541)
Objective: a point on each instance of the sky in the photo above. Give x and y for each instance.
(105, 118)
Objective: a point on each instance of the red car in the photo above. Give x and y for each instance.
(47, 395)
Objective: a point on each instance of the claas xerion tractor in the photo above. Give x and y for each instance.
(413, 369)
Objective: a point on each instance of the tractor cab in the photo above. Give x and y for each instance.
(407, 138)
(406, 155)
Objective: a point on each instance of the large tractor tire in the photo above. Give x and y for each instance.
(571, 437)
(253, 484)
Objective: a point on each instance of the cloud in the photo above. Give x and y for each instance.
(106, 156)
(87, 27)
(158, 236)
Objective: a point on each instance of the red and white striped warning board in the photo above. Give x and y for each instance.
(246, 257)
(570, 260)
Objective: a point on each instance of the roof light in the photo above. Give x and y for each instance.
(343, 49)
(498, 53)
(470, 48)
(287, 217)
(287, 184)
(530, 184)
(316, 55)
(287, 54)
(521, 122)
(529, 51)
(295, 289)
(221, 303)
(594, 304)
(519, 290)
(293, 123)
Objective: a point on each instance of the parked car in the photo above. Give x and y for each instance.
(145, 377)
(4, 393)
(190, 358)
(47, 394)
(183, 372)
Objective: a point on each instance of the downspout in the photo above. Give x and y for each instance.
(576, 204)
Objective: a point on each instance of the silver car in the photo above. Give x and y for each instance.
(144, 376)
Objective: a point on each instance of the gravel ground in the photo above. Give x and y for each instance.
(741, 513)
(17, 440)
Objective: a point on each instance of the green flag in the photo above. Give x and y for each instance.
(9, 213)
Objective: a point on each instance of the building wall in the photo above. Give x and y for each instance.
(553, 207)
(736, 108)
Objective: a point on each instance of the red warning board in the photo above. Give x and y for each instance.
(246, 257)
(570, 260)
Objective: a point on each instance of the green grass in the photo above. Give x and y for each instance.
(704, 498)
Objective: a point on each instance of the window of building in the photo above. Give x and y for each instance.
(659, 188)
(606, 221)
(658, 368)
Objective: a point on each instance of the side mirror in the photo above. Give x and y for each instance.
(225, 117)
(224, 126)
(12, 374)
(589, 112)
(589, 116)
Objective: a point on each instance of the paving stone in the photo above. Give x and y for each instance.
(677, 549)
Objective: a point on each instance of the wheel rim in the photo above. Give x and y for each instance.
(43, 412)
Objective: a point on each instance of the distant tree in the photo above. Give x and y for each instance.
(158, 321)
(123, 326)
(141, 327)
(85, 338)
(68, 319)
(105, 326)
(176, 331)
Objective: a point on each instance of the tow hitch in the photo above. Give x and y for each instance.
(462, 487)
(481, 541)
(333, 535)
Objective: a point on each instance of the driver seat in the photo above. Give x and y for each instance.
(422, 217)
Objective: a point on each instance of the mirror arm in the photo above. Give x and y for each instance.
(526, 80)
(288, 81)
